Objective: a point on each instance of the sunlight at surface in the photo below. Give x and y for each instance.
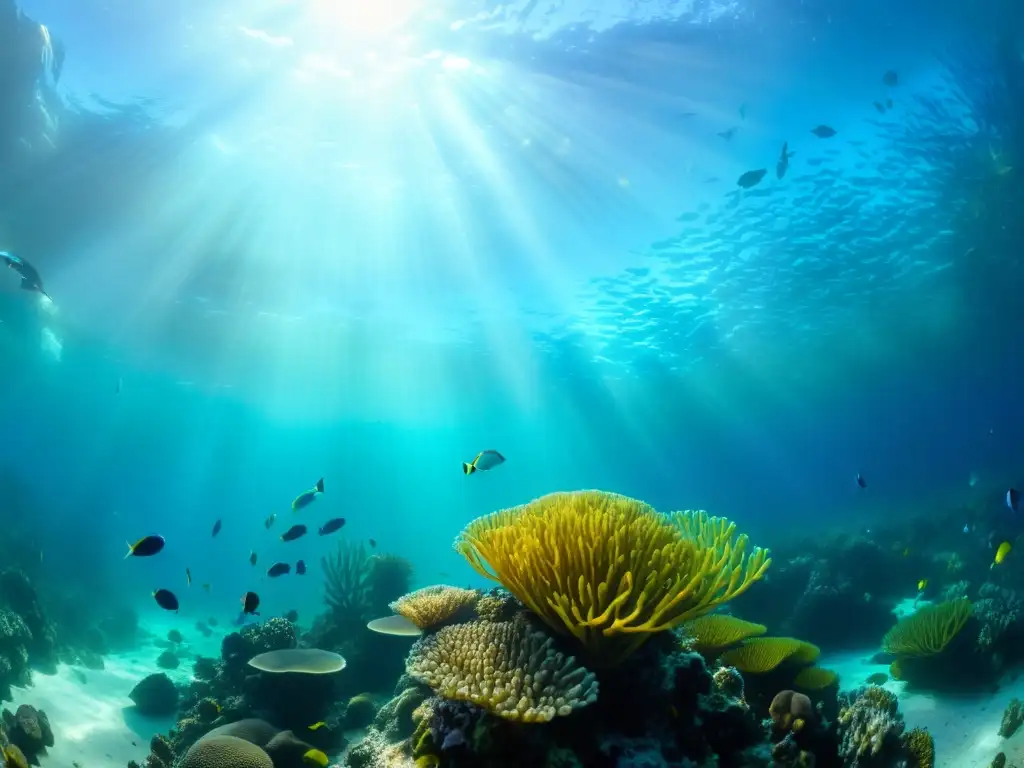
(354, 18)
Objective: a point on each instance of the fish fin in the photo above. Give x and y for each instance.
(469, 469)
(320, 485)
(27, 285)
(131, 550)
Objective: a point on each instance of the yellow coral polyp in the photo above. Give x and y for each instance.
(609, 569)
(759, 655)
(718, 630)
(928, 631)
(430, 606)
(507, 668)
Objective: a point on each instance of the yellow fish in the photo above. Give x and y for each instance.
(922, 584)
(1001, 553)
(315, 757)
(317, 726)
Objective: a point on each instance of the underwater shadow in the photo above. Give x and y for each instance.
(143, 726)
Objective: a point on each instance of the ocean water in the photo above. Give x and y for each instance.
(295, 239)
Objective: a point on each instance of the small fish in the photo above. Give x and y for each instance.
(922, 584)
(300, 568)
(278, 569)
(751, 178)
(972, 480)
(147, 546)
(331, 525)
(306, 498)
(270, 520)
(861, 481)
(1013, 499)
(373, 544)
(293, 533)
(890, 78)
(966, 529)
(484, 460)
(316, 726)
(252, 557)
(824, 132)
(188, 577)
(216, 528)
(206, 587)
(727, 134)
(30, 279)
(879, 106)
(250, 602)
(1001, 553)
(783, 164)
(166, 599)
(315, 758)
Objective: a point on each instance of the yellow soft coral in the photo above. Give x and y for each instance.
(921, 747)
(929, 630)
(430, 606)
(507, 668)
(608, 569)
(815, 678)
(717, 630)
(763, 654)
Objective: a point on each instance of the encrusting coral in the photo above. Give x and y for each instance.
(506, 668)
(609, 569)
(928, 631)
(430, 606)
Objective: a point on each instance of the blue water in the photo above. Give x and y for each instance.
(314, 241)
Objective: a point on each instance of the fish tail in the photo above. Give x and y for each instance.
(320, 485)
(130, 551)
(469, 469)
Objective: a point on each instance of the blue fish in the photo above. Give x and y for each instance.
(484, 460)
(1013, 499)
(861, 481)
(306, 498)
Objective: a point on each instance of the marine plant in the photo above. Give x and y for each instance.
(610, 570)
(928, 631)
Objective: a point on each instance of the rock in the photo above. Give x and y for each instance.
(167, 660)
(29, 728)
(155, 696)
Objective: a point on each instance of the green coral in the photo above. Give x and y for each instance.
(928, 631)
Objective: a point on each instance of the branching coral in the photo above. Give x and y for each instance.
(507, 668)
(430, 606)
(608, 569)
(869, 724)
(929, 630)
(997, 609)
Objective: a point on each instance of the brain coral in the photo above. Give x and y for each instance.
(927, 631)
(252, 729)
(608, 569)
(225, 752)
(507, 668)
(430, 606)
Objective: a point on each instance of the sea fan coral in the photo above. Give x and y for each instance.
(929, 630)
(718, 630)
(430, 606)
(609, 569)
(507, 668)
(763, 654)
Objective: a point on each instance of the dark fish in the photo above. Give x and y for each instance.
(861, 481)
(252, 558)
(879, 106)
(824, 132)
(166, 599)
(293, 533)
(250, 602)
(484, 460)
(278, 569)
(890, 78)
(783, 164)
(188, 577)
(727, 134)
(308, 497)
(300, 568)
(147, 546)
(30, 279)
(331, 525)
(216, 528)
(1013, 499)
(270, 520)
(373, 544)
(751, 178)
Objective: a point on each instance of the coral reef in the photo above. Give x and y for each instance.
(871, 730)
(29, 730)
(653, 572)
(432, 606)
(155, 696)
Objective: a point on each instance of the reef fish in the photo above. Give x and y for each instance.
(250, 602)
(252, 558)
(316, 726)
(147, 546)
(1001, 553)
(861, 481)
(300, 568)
(824, 132)
(278, 569)
(484, 460)
(1013, 499)
(922, 585)
(331, 526)
(30, 279)
(306, 498)
(216, 528)
(751, 178)
(270, 520)
(293, 533)
(188, 577)
(315, 758)
(166, 599)
(783, 164)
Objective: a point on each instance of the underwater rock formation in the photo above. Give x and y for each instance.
(29, 730)
(17, 594)
(155, 696)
